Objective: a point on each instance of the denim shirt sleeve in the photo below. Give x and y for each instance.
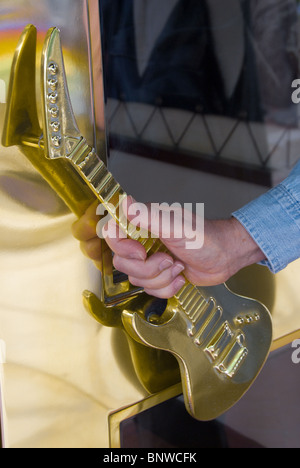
(273, 221)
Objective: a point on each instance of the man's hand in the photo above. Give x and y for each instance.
(226, 249)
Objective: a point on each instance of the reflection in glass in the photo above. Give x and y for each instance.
(210, 87)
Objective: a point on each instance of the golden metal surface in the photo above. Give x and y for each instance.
(60, 357)
(64, 179)
(56, 390)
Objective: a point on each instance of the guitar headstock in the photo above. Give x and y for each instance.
(61, 133)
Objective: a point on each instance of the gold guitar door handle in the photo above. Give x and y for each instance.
(219, 351)
(220, 340)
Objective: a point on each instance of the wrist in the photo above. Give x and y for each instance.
(242, 246)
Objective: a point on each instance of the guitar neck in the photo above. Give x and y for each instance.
(111, 195)
(109, 192)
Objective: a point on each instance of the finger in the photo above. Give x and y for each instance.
(168, 291)
(150, 268)
(122, 246)
(161, 281)
(92, 249)
(85, 227)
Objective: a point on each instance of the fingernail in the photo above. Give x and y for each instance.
(165, 264)
(177, 269)
(179, 282)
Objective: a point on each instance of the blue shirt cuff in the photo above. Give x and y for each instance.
(273, 221)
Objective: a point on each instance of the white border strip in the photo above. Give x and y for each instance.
(2, 405)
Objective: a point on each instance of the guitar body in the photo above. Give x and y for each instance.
(219, 355)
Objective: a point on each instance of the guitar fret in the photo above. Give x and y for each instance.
(108, 188)
(87, 164)
(97, 174)
(153, 246)
(194, 305)
(123, 224)
(149, 246)
(190, 298)
(133, 232)
(197, 309)
(111, 194)
(76, 158)
(115, 201)
(92, 168)
(183, 293)
(79, 155)
(107, 178)
(122, 197)
(144, 241)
